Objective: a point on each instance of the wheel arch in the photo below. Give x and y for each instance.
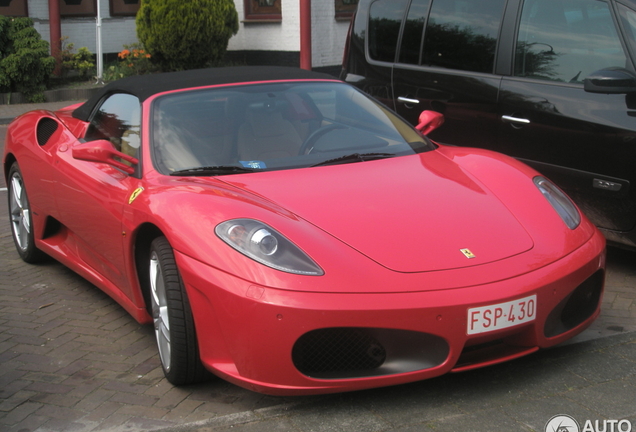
(146, 233)
(8, 161)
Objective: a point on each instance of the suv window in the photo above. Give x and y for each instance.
(117, 120)
(566, 40)
(628, 18)
(385, 19)
(413, 32)
(462, 34)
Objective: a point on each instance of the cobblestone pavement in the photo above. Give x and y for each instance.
(71, 359)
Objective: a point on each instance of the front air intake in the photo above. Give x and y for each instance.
(577, 307)
(353, 352)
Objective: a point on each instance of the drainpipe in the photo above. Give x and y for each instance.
(55, 33)
(305, 34)
(100, 51)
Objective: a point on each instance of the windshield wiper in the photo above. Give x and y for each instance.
(214, 170)
(355, 157)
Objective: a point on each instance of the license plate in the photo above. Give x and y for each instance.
(503, 315)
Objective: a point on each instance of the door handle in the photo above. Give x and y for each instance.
(408, 100)
(516, 120)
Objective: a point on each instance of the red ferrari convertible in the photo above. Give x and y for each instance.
(291, 235)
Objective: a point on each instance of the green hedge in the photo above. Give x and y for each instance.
(25, 63)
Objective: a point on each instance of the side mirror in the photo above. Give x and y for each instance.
(610, 81)
(103, 151)
(429, 121)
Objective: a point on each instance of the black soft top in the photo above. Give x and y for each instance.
(144, 86)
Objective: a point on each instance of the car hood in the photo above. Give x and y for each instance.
(409, 214)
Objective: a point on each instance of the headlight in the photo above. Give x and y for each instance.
(560, 201)
(267, 246)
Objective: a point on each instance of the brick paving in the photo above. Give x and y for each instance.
(71, 359)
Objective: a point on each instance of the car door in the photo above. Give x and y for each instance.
(91, 196)
(373, 38)
(446, 63)
(586, 142)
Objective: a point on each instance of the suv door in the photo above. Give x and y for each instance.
(446, 63)
(374, 36)
(584, 141)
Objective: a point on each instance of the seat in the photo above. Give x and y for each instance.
(266, 134)
(201, 136)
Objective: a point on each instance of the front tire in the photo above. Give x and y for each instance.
(172, 316)
(20, 217)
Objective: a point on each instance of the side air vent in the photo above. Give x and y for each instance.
(46, 128)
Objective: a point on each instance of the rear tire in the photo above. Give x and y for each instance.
(20, 218)
(172, 316)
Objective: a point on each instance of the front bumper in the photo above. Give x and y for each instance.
(288, 342)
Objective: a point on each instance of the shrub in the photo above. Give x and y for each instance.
(82, 61)
(25, 63)
(186, 34)
(135, 60)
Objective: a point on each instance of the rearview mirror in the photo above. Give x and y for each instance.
(610, 81)
(103, 151)
(429, 121)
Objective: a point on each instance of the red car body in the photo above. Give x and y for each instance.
(440, 261)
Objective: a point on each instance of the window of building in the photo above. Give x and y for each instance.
(263, 10)
(124, 7)
(78, 8)
(14, 8)
(345, 8)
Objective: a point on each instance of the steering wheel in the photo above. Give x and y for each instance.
(308, 145)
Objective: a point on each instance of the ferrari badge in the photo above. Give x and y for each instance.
(467, 253)
(135, 194)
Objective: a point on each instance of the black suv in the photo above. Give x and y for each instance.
(550, 82)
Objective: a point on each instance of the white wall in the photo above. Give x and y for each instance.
(328, 35)
(280, 36)
(82, 32)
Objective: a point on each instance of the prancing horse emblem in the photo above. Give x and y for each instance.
(135, 194)
(467, 253)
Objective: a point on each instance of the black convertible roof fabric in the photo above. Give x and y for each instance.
(144, 86)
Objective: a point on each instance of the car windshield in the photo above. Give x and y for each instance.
(274, 126)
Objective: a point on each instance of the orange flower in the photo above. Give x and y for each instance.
(125, 53)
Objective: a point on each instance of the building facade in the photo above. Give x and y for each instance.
(269, 30)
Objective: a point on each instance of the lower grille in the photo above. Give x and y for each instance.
(337, 350)
(353, 352)
(577, 307)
